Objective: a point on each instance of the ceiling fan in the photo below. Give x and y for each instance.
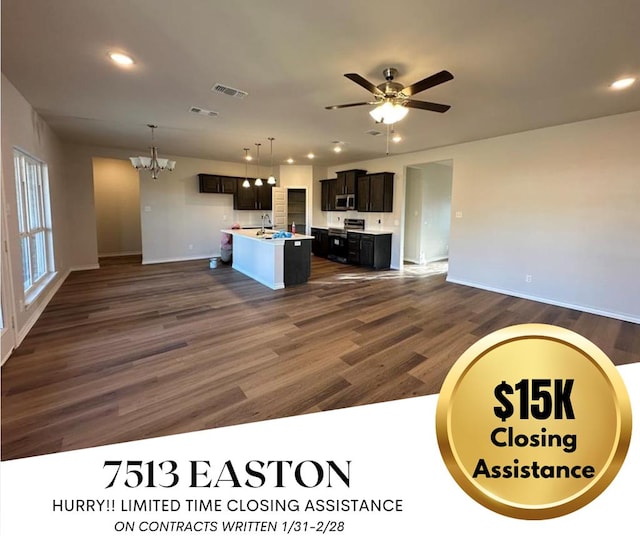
(392, 98)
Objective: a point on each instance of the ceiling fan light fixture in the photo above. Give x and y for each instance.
(389, 113)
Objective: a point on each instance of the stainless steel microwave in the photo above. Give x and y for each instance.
(345, 202)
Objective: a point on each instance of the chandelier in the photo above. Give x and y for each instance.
(389, 113)
(153, 164)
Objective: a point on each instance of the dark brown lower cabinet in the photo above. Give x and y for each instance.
(297, 262)
(320, 245)
(353, 245)
(374, 251)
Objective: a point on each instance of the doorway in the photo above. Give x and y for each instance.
(297, 209)
(116, 186)
(427, 223)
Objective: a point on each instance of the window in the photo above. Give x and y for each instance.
(34, 220)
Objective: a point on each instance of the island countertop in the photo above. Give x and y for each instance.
(267, 237)
(274, 262)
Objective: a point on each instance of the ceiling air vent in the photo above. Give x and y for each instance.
(202, 111)
(373, 132)
(226, 90)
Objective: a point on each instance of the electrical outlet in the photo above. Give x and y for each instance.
(459, 214)
(528, 278)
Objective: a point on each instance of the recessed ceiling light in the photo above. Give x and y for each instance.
(337, 146)
(248, 157)
(290, 160)
(396, 138)
(121, 59)
(311, 156)
(623, 83)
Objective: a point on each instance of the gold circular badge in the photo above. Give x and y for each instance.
(533, 421)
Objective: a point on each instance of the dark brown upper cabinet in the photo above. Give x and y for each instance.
(375, 193)
(348, 181)
(328, 194)
(254, 197)
(217, 184)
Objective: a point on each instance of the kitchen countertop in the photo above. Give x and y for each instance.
(274, 262)
(370, 231)
(366, 231)
(252, 233)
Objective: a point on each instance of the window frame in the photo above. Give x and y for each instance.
(34, 222)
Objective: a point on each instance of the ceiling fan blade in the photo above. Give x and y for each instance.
(426, 83)
(363, 82)
(336, 106)
(431, 106)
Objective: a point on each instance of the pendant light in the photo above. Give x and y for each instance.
(271, 180)
(258, 180)
(245, 183)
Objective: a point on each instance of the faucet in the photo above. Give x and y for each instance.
(262, 218)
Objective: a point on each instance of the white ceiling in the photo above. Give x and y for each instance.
(518, 65)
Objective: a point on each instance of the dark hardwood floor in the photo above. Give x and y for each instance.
(130, 352)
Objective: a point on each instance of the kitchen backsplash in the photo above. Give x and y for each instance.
(372, 221)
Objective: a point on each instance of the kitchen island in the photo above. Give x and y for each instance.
(275, 262)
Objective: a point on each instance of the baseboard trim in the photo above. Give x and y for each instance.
(43, 302)
(84, 267)
(120, 254)
(6, 355)
(591, 310)
(178, 259)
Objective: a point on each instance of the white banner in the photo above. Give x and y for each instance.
(370, 470)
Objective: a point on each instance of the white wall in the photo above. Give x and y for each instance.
(178, 222)
(436, 212)
(116, 187)
(559, 203)
(23, 128)
(317, 216)
(296, 176)
(413, 218)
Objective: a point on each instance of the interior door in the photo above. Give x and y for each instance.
(279, 208)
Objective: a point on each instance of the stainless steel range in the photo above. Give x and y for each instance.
(338, 243)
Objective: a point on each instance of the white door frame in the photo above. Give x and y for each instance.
(8, 328)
